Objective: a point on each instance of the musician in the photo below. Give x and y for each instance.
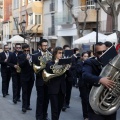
(91, 71)
(16, 84)
(27, 76)
(82, 85)
(56, 86)
(41, 87)
(5, 70)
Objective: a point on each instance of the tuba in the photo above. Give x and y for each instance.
(57, 70)
(43, 61)
(106, 101)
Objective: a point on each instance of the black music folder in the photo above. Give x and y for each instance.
(108, 55)
(68, 53)
(64, 61)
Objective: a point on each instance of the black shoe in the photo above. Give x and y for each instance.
(67, 106)
(15, 101)
(4, 95)
(46, 118)
(64, 108)
(18, 100)
(29, 108)
(24, 110)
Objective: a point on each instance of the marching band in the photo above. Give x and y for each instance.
(53, 80)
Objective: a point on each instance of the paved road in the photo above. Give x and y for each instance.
(9, 111)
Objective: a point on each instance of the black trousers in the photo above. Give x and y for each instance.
(93, 116)
(26, 92)
(5, 80)
(16, 84)
(57, 101)
(42, 102)
(68, 91)
(84, 100)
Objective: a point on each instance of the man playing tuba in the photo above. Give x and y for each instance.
(39, 63)
(91, 71)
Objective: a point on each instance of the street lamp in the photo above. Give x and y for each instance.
(22, 27)
(97, 7)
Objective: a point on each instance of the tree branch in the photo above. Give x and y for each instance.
(118, 9)
(102, 6)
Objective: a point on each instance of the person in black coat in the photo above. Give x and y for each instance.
(27, 76)
(41, 87)
(82, 85)
(91, 71)
(56, 86)
(13, 63)
(5, 70)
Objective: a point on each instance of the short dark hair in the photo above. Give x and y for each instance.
(66, 46)
(75, 49)
(17, 44)
(98, 44)
(55, 52)
(49, 49)
(25, 46)
(84, 54)
(41, 41)
(108, 44)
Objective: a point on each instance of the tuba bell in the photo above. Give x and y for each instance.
(43, 61)
(58, 70)
(106, 101)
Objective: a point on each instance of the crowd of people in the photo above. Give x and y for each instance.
(83, 72)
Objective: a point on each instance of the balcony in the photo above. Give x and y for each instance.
(35, 7)
(51, 31)
(63, 18)
(80, 13)
(52, 7)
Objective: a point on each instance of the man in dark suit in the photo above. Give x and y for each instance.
(91, 71)
(38, 50)
(41, 87)
(27, 76)
(5, 70)
(82, 85)
(12, 61)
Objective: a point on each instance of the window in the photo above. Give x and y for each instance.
(90, 4)
(38, 19)
(38, 0)
(30, 19)
(16, 4)
(15, 23)
(23, 2)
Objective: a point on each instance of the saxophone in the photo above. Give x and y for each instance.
(58, 70)
(106, 101)
(43, 61)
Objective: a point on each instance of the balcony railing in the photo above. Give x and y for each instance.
(52, 7)
(63, 18)
(51, 31)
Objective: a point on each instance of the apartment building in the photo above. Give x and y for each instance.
(1, 19)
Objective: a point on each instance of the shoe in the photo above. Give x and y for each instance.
(15, 101)
(4, 95)
(67, 106)
(18, 100)
(64, 108)
(29, 108)
(46, 118)
(24, 110)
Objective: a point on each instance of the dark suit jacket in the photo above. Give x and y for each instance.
(36, 51)
(27, 72)
(13, 59)
(4, 65)
(57, 83)
(91, 71)
(39, 79)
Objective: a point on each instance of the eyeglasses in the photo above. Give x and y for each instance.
(18, 47)
(26, 50)
(100, 52)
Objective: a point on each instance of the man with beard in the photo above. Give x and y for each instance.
(16, 84)
(41, 87)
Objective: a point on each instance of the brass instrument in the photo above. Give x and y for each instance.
(103, 100)
(58, 70)
(43, 60)
(18, 70)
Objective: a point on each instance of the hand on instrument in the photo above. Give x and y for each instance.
(107, 82)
